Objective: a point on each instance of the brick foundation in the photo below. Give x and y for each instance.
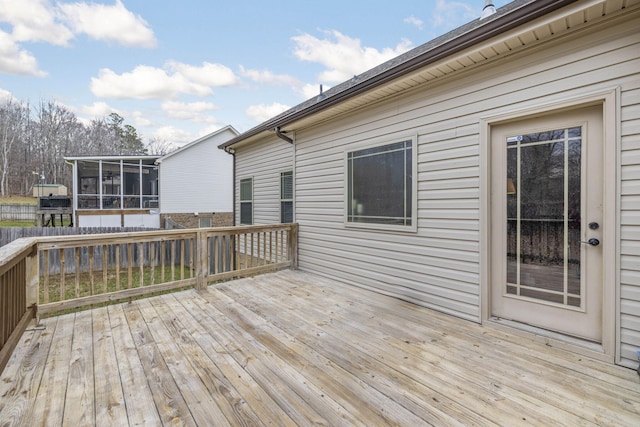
(189, 220)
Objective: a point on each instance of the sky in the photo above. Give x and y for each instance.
(178, 70)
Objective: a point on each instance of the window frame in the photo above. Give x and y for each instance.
(286, 200)
(107, 174)
(249, 201)
(375, 143)
(208, 219)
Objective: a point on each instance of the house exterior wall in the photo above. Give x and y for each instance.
(439, 266)
(198, 178)
(121, 219)
(263, 163)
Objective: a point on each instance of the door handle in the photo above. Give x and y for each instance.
(593, 241)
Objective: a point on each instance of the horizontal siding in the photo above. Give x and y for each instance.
(630, 224)
(439, 266)
(198, 179)
(263, 163)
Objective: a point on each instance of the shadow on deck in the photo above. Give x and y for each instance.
(290, 348)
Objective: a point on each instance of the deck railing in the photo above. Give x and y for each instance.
(52, 274)
(18, 292)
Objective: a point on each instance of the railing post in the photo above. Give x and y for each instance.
(292, 244)
(202, 255)
(32, 281)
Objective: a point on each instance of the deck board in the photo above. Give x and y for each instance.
(291, 348)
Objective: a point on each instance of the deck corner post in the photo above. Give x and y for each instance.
(292, 244)
(201, 260)
(32, 280)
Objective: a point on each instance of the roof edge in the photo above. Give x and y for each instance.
(199, 140)
(489, 29)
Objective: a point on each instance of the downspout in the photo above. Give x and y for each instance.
(235, 248)
(282, 136)
(233, 154)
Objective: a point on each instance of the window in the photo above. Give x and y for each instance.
(246, 201)
(117, 184)
(286, 197)
(204, 222)
(381, 185)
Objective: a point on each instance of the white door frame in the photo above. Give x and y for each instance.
(609, 99)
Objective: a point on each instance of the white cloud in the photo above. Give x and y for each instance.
(146, 82)
(206, 131)
(109, 23)
(414, 21)
(451, 14)
(310, 90)
(33, 21)
(14, 60)
(263, 112)
(207, 74)
(192, 111)
(173, 135)
(342, 55)
(99, 109)
(267, 77)
(140, 120)
(5, 95)
(57, 23)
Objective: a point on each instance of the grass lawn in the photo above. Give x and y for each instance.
(19, 200)
(17, 224)
(89, 284)
(27, 200)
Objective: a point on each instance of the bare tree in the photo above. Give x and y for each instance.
(13, 121)
(34, 143)
(159, 147)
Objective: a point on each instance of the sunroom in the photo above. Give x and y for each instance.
(115, 191)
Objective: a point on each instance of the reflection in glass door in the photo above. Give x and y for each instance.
(543, 181)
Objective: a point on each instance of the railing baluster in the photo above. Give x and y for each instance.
(77, 268)
(129, 266)
(215, 253)
(191, 255)
(182, 259)
(91, 264)
(173, 260)
(152, 262)
(253, 259)
(62, 276)
(45, 267)
(245, 249)
(141, 262)
(105, 265)
(270, 246)
(162, 255)
(118, 267)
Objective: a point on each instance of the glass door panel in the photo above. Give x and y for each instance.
(543, 216)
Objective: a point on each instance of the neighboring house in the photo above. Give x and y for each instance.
(196, 183)
(492, 173)
(115, 191)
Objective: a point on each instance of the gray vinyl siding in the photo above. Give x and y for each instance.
(630, 223)
(439, 265)
(263, 162)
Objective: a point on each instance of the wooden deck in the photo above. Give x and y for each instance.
(290, 348)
